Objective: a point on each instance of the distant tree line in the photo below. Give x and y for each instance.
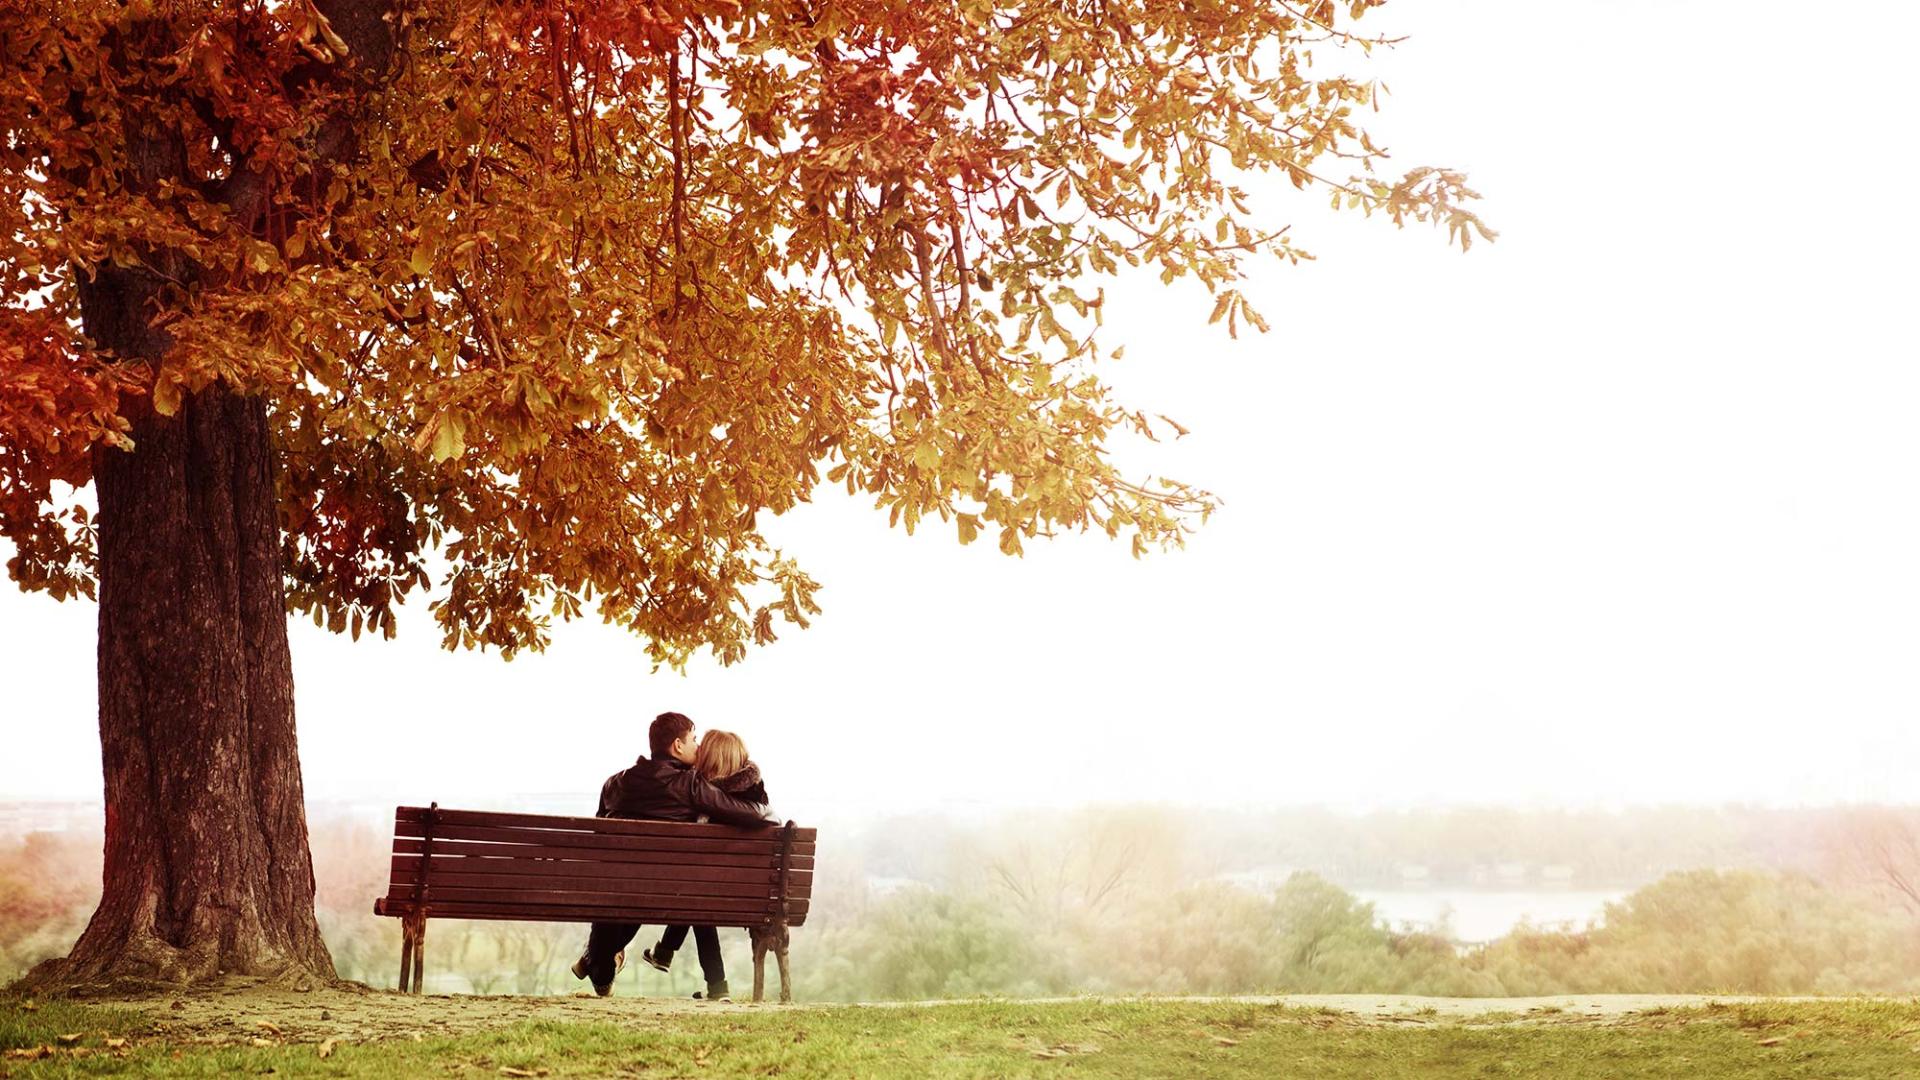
(1696, 932)
(1127, 900)
(1457, 846)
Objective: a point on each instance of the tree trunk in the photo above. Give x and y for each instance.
(207, 867)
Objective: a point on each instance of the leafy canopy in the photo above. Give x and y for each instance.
(573, 291)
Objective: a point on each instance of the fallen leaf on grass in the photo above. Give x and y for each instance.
(508, 1070)
(270, 1026)
(325, 1048)
(1222, 1040)
(31, 1053)
(258, 1041)
(29, 1006)
(1775, 1041)
(1066, 1050)
(69, 1040)
(116, 1044)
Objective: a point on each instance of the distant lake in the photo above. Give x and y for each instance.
(1484, 914)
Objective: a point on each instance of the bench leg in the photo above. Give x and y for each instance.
(759, 966)
(786, 984)
(419, 952)
(406, 951)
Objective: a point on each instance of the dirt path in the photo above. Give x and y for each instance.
(1384, 1005)
(243, 1011)
(240, 1012)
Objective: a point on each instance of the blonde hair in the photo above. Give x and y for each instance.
(721, 754)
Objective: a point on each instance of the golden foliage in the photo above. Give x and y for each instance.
(573, 292)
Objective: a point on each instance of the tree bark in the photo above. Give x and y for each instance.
(207, 868)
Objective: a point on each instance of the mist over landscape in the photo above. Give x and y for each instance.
(1121, 898)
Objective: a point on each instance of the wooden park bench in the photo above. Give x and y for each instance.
(465, 864)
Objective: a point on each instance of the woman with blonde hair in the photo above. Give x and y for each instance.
(721, 761)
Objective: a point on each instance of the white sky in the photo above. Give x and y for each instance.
(1619, 509)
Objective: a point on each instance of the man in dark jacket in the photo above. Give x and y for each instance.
(662, 788)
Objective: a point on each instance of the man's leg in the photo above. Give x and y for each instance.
(603, 941)
(707, 940)
(661, 955)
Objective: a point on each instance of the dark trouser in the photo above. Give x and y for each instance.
(706, 940)
(603, 941)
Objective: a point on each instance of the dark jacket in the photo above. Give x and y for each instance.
(666, 790)
(745, 785)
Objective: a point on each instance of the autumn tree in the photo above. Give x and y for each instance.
(569, 293)
(1877, 848)
(1084, 866)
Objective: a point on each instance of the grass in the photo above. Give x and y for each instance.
(26, 1024)
(1832, 1040)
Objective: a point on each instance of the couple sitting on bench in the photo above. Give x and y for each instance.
(682, 781)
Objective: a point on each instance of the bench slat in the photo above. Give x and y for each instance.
(536, 900)
(472, 864)
(593, 841)
(439, 882)
(644, 916)
(406, 867)
(614, 826)
(443, 846)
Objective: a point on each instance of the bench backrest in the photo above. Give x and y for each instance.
(466, 864)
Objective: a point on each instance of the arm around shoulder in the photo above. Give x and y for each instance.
(720, 806)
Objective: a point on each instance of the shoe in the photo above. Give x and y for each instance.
(713, 993)
(655, 962)
(605, 989)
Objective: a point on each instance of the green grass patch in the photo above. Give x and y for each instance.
(1833, 1040)
(26, 1023)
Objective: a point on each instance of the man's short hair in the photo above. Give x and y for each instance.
(668, 728)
